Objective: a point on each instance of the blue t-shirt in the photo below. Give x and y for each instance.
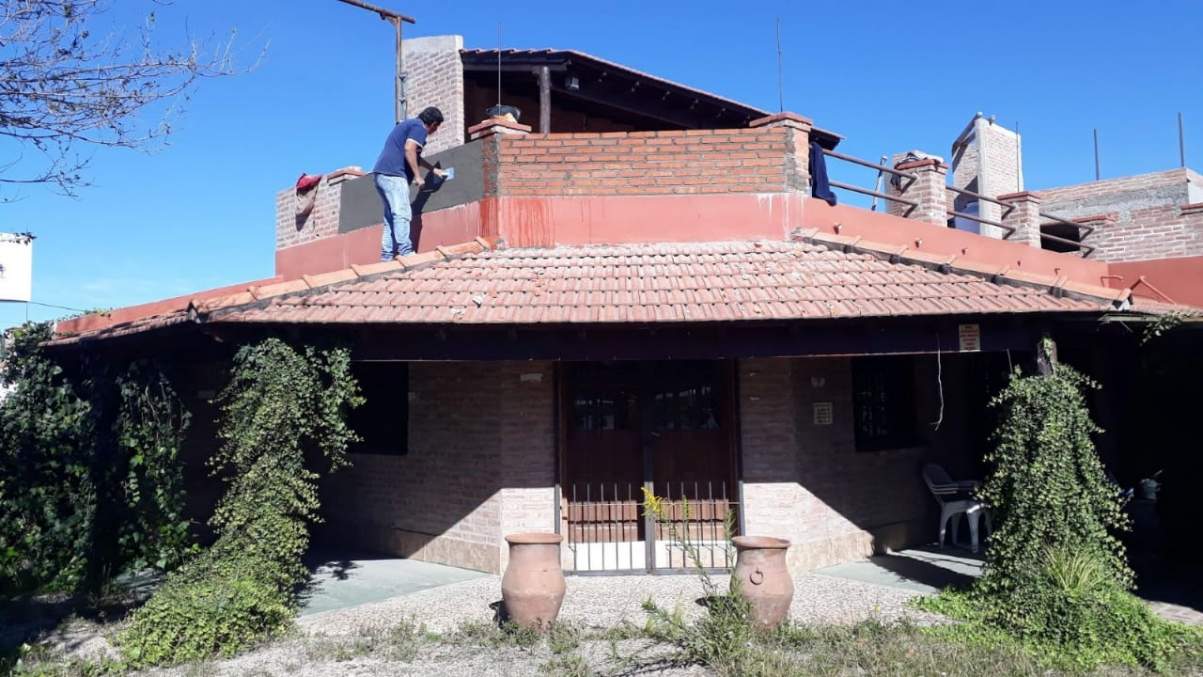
(392, 158)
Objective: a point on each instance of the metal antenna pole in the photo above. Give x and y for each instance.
(1018, 166)
(396, 19)
(780, 72)
(499, 67)
(1181, 143)
(1096, 154)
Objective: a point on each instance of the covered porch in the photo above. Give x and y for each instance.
(792, 389)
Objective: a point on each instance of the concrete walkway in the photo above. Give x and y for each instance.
(345, 582)
(926, 570)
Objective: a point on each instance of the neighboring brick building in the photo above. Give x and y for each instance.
(640, 302)
(1136, 218)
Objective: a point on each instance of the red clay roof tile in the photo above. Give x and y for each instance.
(684, 282)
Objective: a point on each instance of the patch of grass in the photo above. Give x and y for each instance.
(900, 648)
(491, 635)
(563, 638)
(1073, 633)
(399, 643)
(38, 661)
(568, 665)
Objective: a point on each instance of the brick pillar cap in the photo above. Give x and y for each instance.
(1020, 196)
(786, 119)
(491, 126)
(343, 173)
(916, 164)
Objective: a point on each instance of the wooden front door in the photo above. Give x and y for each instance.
(664, 427)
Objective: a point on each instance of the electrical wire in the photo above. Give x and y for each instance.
(939, 383)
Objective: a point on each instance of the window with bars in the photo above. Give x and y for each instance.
(884, 403)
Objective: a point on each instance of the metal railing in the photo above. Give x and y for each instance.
(1083, 231)
(907, 177)
(607, 529)
(1007, 209)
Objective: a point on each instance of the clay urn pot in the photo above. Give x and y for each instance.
(533, 584)
(763, 578)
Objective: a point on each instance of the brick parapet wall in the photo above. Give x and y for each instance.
(480, 464)
(758, 160)
(1145, 215)
(320, 222)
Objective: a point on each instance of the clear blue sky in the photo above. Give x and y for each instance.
(200, 212)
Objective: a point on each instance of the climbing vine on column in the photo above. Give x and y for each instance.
(280, 403)
(1048, 488)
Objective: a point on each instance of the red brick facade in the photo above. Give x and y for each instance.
(806, 481)
(481, 463)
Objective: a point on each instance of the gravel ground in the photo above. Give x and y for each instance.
(607, 601)
(354, 641)
(592, 602)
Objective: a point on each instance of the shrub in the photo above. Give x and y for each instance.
(47, 494)
(1056, 577)
(1047, 486)
(279, 403)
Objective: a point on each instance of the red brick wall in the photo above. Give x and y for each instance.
(806, 482)
(481, 463)
(1144, 215)
(320, 222)
(646, 163)
(435, 77)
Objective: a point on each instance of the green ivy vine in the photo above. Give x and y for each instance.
(1048, 488)
(280, 403)
(47, 494)
(90, 482)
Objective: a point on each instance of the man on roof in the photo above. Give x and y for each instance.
(399, 165)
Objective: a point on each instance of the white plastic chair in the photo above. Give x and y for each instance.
(955, 499)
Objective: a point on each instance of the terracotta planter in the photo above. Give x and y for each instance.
(763, 578)
(533, 584)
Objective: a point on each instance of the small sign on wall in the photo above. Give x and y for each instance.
(822, 412)
(970, 336)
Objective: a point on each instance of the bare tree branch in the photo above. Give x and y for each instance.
(61, 88)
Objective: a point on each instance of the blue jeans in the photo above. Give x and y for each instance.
(394, 241)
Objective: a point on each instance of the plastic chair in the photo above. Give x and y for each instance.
(956, 499)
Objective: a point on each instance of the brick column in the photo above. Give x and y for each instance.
(1024, 217)
(773, 500)
(797, 157)
(434, 76)
(497, 127)
(929, 190)
(490, 132)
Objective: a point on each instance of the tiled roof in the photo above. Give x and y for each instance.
(637, 283)
(694, 282)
